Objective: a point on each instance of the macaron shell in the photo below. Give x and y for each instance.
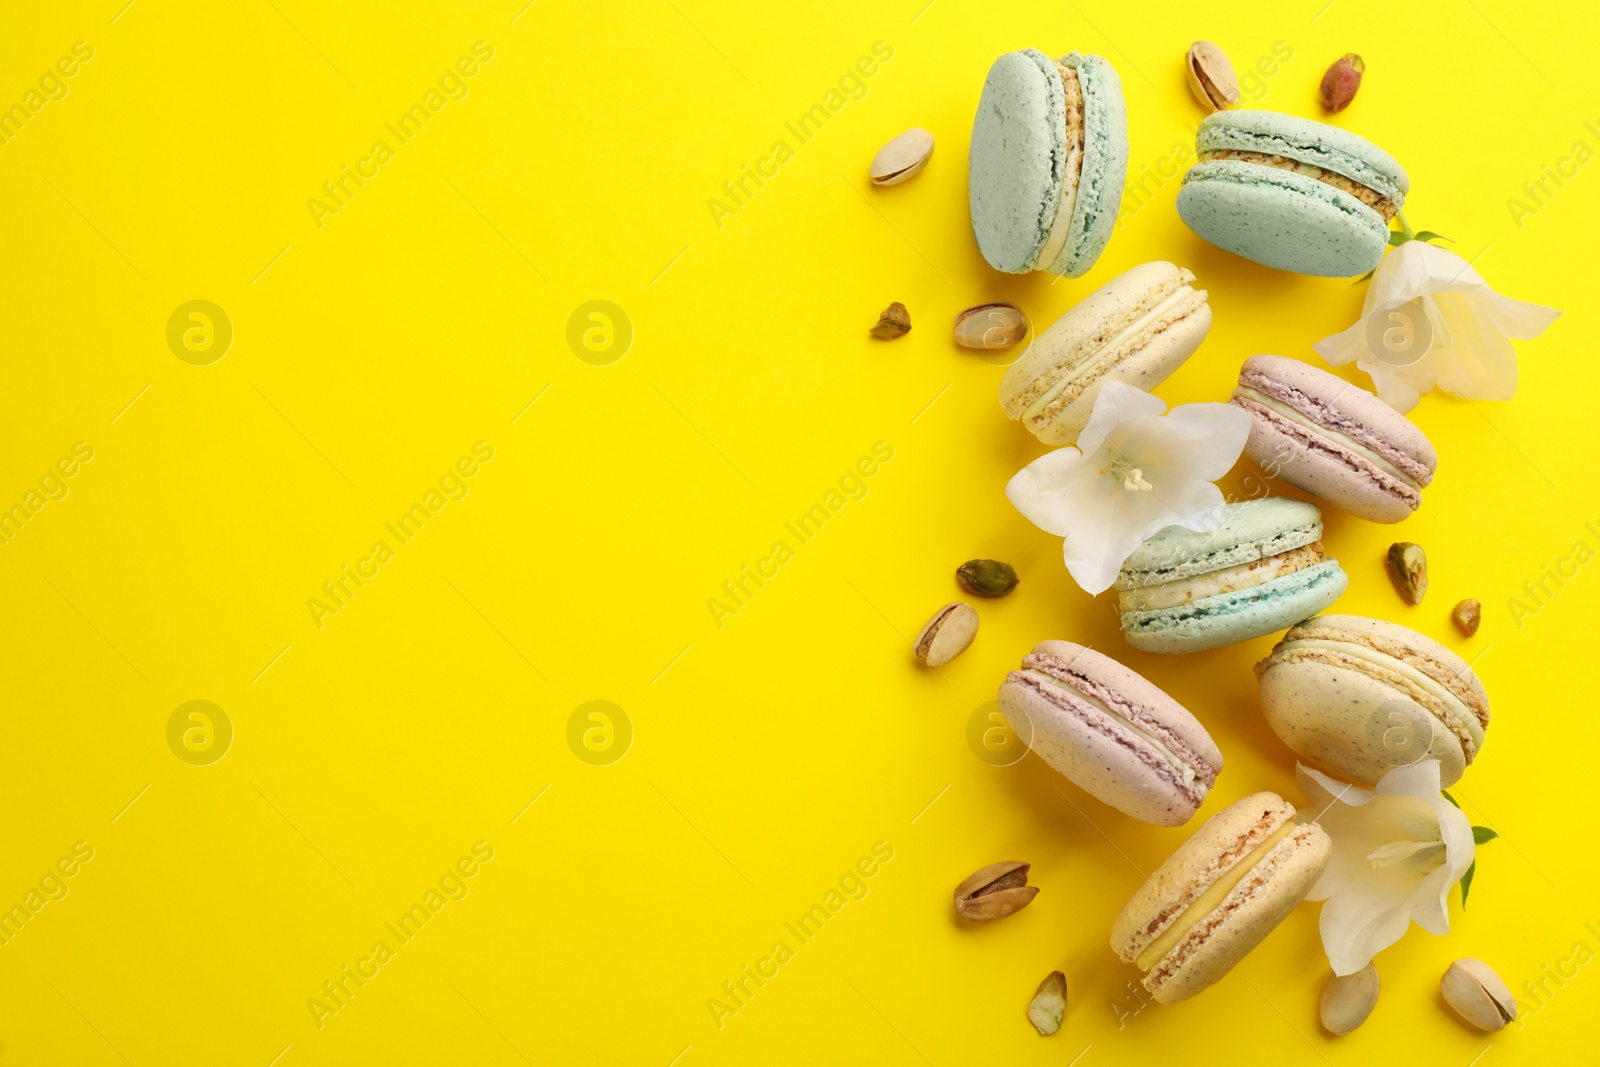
(1336, 720)
(1237, 616)
(1096, 763)
(1014, 171)
(1282, 220)
(1249, 530)
(1256, 913)
(1105, 165)
(1337, 481)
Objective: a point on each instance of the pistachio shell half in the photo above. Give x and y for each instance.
(902, 158)
(991, 326)
(1211, 76)
(1348, 1000)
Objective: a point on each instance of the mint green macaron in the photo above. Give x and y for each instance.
(1048, 160)
(1291, 193)
(1261, 570)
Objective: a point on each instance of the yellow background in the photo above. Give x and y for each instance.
(771, 753)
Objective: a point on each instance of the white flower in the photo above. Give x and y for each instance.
(1397, 850)
(1428, 319)
(1132, 473)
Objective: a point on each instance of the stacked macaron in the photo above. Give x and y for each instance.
(1111, 732)
(1219, 895)
(1263, 568)
(1049, 155)
(1137, 328)
(1334, 439)
(1291, 193)
(1357, 697)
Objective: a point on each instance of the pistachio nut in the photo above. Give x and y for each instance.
(947, 634)
(991, 326)
(987, 577)
(1468, 616)
(1341, 81)
(1349, 999)
(995, 892)
(902, 158)
(1408, 570)
(1049, 1004)
(1211, 76)
(894, 321)
(1478, 995)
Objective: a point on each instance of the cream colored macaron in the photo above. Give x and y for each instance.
(1219, 895)
(1137, 328)
(1357, 697)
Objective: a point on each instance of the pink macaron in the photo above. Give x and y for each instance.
(1111, 732)
(1333, 439)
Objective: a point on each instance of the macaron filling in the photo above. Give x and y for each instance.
(1254, 139)
(1084, 697)
(1298, 407)
(1191, 588)
(1369, 196)
(1447, 707)
(1061, 225)
(1211, 899)
(1110, 346)
(1319, 440)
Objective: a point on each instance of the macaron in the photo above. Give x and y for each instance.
(1111, 732)
(1048, 159)
(1219, 895)
(1356, 697)
(1262, 569)
(1290, 193)
(1137, 328)
(1333, 439)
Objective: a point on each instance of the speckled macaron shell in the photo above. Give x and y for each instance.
(1015, 166)
(1263, 898)
(1305, 457)
(1089, 322)
(1096, 752)
(1281, 220)
(1357, 720)
(1105, 165)
(1250, 530)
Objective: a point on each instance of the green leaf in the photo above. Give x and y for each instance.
(1365, 276)
(1450, 798)
(1483, 835)
(1399, 237)
(1466, 883)
(1429, 235)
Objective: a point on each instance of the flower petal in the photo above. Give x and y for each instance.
(1397, 850)
(1044, 490)
(1117, 403)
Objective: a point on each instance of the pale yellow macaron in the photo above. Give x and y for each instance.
(1220, 895)
(1137, 328)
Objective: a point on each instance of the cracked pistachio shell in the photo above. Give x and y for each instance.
(902, 158)
(947, 634)
(1408, 570)
(1478, 994)
(995, 891)
(1348, 1000)
(1211, 76)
